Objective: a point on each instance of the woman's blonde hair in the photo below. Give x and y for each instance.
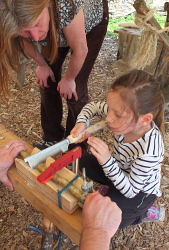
(15, 14)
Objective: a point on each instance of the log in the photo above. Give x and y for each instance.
(141, 8)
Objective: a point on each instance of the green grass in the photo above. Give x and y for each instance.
(113, 22)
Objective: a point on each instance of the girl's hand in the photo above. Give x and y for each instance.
(67, 88)
(99, 149)
(42, 74)
(79, 128)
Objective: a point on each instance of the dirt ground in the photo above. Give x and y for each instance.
(22, 116)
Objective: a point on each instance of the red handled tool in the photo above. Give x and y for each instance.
(60, 163)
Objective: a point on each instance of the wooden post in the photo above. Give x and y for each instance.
(47, 237)
(163, 60)
(21, 76)
(166, 8)
(142, 9)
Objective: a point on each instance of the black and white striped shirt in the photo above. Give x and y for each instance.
(135, 166)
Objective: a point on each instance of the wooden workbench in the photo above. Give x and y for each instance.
(70, 225)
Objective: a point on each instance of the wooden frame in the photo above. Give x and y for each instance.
(70, 225)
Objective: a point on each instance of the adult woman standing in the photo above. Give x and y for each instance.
(79, 26)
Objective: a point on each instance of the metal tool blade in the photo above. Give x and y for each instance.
(62, 146)
(41, 156)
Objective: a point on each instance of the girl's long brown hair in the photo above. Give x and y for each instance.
(141, 92)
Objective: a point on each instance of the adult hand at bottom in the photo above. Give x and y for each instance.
(7, 157)
(100, 220)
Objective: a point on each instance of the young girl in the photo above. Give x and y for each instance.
(134, 113)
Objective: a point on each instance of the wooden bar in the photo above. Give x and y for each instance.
(70, 225)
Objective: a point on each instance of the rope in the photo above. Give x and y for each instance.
(147, 47)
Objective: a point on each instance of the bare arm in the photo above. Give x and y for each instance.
(76, 38)
(100, 220)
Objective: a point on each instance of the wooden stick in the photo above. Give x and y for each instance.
(166, 8)
(163, 60)
(23, 154)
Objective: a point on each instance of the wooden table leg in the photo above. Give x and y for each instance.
(47, 236)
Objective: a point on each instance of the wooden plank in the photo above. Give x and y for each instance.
(70, 225)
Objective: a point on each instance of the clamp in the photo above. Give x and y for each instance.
(63, 161)
(70, 157)
(86, 188)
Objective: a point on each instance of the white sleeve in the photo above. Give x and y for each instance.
(144, 171)
(90, 110)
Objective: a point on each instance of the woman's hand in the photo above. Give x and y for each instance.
(7, 157)
(76, 39)
(43, 70)
(67, 88)
(42, 74)
(99, 149)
